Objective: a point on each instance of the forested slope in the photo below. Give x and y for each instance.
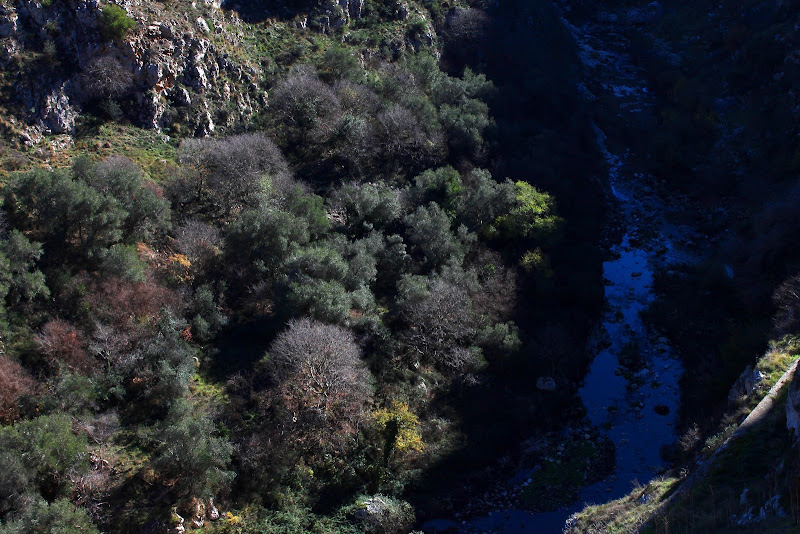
(288, 269)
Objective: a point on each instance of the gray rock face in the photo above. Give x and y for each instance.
(181, 97)
(793, 406)
(161, 57)
(152, 106)
(352, 8)
(8, 22)
(205, 123)
(202, 25)
(57, 115)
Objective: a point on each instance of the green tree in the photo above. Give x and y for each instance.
(266, 237)
(429, 231)
(117, 177)
(20, 280)
(65, 214)
(325, 300)
(208, 318)
(51, 449)
(338, 63)
(57, 517)
(533, 215)
(158, 377)
(367, 206)
(115, 22)
(189, 450)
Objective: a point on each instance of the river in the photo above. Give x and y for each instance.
(636, 408)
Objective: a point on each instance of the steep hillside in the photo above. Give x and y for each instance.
(295, 267)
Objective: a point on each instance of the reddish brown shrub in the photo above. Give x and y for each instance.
(130, 304)
(63, 344)
(14, 381)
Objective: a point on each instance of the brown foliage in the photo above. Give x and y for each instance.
(14, 381)
(63, 344)
(126, 304)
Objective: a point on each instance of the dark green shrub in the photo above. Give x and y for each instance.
(115, 22)
(58, 516)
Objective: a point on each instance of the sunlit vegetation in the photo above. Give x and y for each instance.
(300, 324)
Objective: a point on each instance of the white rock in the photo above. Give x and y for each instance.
(202, 25)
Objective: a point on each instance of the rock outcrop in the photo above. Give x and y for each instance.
(793, 406)
(747, 382)
(155, 70)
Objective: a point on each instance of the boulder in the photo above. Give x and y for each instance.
(545, 383)
(661, 409)
(202, 25)
(747, 382)
(212, 514)
(381, 513)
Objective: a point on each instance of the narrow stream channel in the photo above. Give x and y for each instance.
(635, 406)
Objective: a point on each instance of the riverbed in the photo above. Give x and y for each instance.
(631, 390)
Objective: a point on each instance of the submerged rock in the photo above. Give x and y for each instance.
(644, 15)
(545, 383)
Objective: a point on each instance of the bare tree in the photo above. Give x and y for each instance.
(439, 322)
(406, 141)
(320, 380)
(466, 25)
(236, 171)
(198, 241)
(465, 35)
(306, 108)
(357, 99)
(105, 77)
